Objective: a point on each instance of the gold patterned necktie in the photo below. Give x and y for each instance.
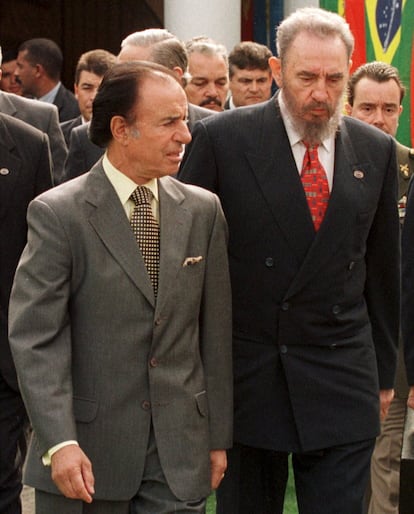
(315, 184)
(147, 232)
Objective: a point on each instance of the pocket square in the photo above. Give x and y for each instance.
(189, 261)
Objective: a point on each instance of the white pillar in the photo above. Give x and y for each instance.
(218, 19)
(291, 5)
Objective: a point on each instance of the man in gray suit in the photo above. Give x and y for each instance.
(136, 413)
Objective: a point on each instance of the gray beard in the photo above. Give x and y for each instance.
(313, 132)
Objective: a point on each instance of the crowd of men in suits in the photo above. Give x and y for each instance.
(129, 386)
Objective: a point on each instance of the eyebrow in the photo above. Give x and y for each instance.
(311, 74)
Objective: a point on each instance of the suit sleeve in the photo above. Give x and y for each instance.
(383, 275)
(216, 337)
(44, 176)
(75, 163)
(39, 328)
(58, 147)
(407, 307)
(200, 167)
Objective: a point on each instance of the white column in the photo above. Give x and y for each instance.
(218, 19)
(291, 5)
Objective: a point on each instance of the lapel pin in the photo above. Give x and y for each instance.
(4, 171)
(358, 174)
(405, 170)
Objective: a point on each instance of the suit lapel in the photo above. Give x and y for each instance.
(111, 224)
(175, 225)
(6, 106)
(338, 217)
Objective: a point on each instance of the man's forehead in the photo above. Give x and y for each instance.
(250, 71)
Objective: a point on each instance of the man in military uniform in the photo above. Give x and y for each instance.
(375, 93)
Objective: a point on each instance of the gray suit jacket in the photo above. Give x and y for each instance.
(44, 117)
(83, 306)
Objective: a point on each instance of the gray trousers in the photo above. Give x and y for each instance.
(154, 496)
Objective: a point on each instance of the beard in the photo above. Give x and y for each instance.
(316, 130)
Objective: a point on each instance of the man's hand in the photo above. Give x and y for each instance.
(72, 473)
(218, 460)
(410, 401)
(386, 397)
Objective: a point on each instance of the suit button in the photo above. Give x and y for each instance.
(158, 321)
(285, 306)
(153, 362)
(269, 262)
(332, 346)
(146, 405)
(283, 348)
(336, 309)
(4, 171)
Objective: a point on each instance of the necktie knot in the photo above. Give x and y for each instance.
(142, 196)
(312, 151)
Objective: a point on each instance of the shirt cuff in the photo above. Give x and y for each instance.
(47, 457)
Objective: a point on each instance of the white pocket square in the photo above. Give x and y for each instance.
(189, 261)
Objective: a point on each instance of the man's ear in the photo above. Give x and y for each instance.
(120, 130)
(348, 108)
(276, 67)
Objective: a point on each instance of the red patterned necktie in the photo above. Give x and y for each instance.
(147, 232)
(315, 184)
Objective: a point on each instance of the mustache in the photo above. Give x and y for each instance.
(318, 105)
(211, 100)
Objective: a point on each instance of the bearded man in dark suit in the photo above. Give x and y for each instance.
(315, 276)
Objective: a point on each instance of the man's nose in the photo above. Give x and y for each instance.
(211, 90)
(378, 119)
(320, 90)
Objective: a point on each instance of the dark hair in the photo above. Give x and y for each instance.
(8, 55)
(45, 52)
(377, 71)
(95, 61)
(118, 95)
(249, 55)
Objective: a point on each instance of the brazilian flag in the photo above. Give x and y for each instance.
(384, 31)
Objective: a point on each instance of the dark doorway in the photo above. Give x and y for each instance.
(76, 25)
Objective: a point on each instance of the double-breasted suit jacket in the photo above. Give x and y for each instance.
(25, 172)
(315, 316)
(113, 359)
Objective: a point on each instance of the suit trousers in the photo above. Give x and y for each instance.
(386, 460)
(13, 420)
(154, 496)
(327, 481)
